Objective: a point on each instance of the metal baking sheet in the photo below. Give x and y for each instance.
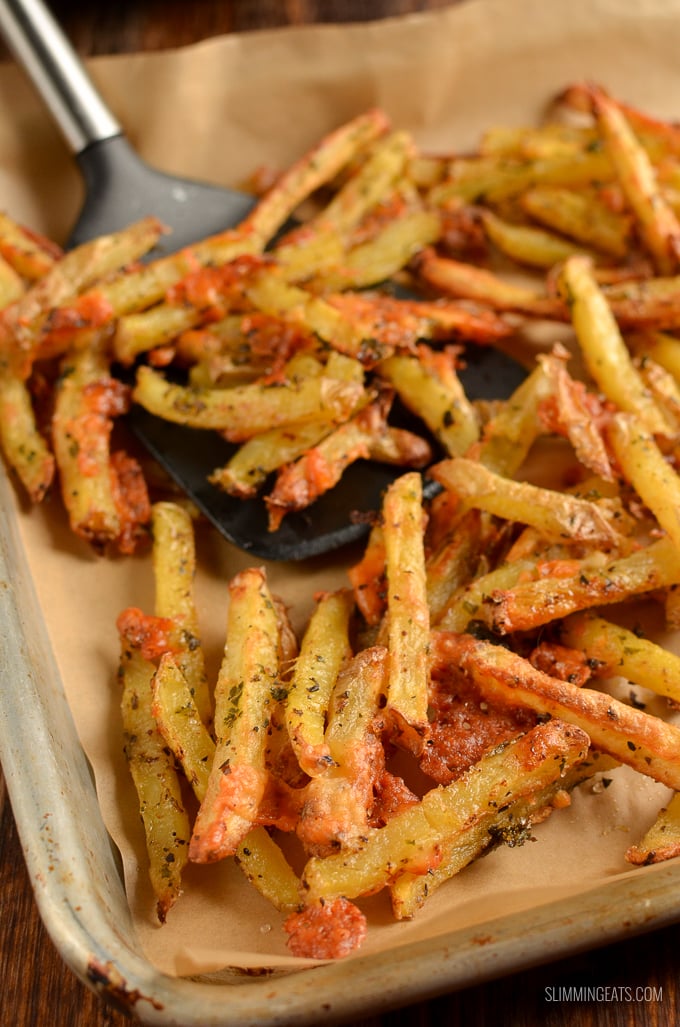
(75, 869)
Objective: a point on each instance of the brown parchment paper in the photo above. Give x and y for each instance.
(217, 110)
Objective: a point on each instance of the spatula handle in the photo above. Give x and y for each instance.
(43, 50)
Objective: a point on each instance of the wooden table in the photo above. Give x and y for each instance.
(36, 988)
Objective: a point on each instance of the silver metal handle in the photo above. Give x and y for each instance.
(55, 69)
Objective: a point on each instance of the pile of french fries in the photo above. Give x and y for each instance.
(475, 642)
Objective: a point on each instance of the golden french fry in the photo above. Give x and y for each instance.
(244, 410)
(580, 215)
(245, 694)
(334, 815)
(408, 617)
(557, 515)
(586, 584)
(604, 350)
(644, 742)
(87, 400)
(30, 255)
(645, 467)
(324, 649)
(433, 390)
(656, 220)
(267, 869)
(179, 722)
(25, 448)
(615, 650)
(174, 565)
(26, 334)
(166, 823)
(512, 826)
(527, 244)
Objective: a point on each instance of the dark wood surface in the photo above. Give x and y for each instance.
(36, 988)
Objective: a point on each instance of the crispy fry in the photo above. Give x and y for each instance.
(429, 385)
(511, 827)
(646, 743)
(325, 648)
(179, 722)
(87, 400)
(244, 410)
(656, 220)
(174, 565)
(408, 618)
(166, 823)
(615, 650)
(603, 348)
(645, 467)
(528, 605)
(555, 514)
(581, 216)
(24, 446)
(244, 696)
(334, 814)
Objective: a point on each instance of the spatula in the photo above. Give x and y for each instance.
(120, 188)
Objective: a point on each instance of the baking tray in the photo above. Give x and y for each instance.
(74, 867)
(79, 891)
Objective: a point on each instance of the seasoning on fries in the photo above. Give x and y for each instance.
(450, 696)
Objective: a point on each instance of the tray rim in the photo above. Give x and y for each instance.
(78, 887)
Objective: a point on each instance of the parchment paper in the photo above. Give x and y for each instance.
(217, 110)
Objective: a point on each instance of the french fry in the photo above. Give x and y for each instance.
(174, 565)
(244, 410)
(603, 348)
(512, 826)
(177, 717)
(662, 840)
(645, 467)
(318, 469)
(11, 284)
(495, 179)
(580, 216)
(86, 401)
(267, 869)
(30, 255)
(527, 244)
(466, 281)
(367, 577)
(465, 604)
(510, 433)
(432, 389)
(576, 415)
(449, 815)
(27, 333)
(245, 694)
(533, 603)
(656, 220)
(325, 648)
(24, 446)
(555, 514)
(408, 619)
(615, 650)
(252, 462)
(334, 815)
(646, 743)
(166, 823)
(380, 258)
